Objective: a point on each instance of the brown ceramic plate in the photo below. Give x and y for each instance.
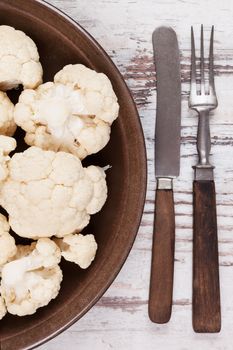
(62, 41)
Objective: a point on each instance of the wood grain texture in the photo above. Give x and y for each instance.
(206, 293)
(120, 319)
(162, 265)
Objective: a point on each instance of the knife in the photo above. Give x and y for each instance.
(167, 167)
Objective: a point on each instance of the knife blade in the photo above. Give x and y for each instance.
(168, 116)
(167, 167)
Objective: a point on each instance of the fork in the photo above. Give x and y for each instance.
(206, 291)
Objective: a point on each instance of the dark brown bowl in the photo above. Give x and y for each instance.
(62, 41)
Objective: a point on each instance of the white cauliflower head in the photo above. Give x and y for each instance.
(73, 115)
(32, 281)
(96, 88)
(7, 123)
(7, 243)
(3, 310)
(7, 145)
(78, 249)
(48, 193)
(19, 60)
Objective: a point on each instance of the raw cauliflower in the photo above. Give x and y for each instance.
(22, 251)
(19, 60)
(96, 88)
(7, 243)
(78, 249)
(3, 310)
(7, 123)
(32, 281)
(7, 145)
(48, 193)
(74, 114)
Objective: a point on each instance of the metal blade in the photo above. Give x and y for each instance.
(168, 117)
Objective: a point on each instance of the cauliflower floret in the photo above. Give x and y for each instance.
(44, 247)
(7, 145)
(73, 115)
(100, 99)
(78, 249)
(3, 310)
(48, 193)
(7, 243)
(7, 123)
(32, 281)
(23, 250)
(19, 60)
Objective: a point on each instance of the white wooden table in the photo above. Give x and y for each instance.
(120, 319)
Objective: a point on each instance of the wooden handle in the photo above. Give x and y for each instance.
(206, 292)
(162, 267)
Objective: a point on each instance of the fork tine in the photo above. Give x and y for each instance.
(193, 64)
(202, 62)
(211, 63)
(202, 98)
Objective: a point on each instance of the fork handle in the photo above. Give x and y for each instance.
(203, 138)
(206, 292)
(162, 266)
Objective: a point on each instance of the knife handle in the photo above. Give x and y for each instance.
(206, 291)
(162, 266)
